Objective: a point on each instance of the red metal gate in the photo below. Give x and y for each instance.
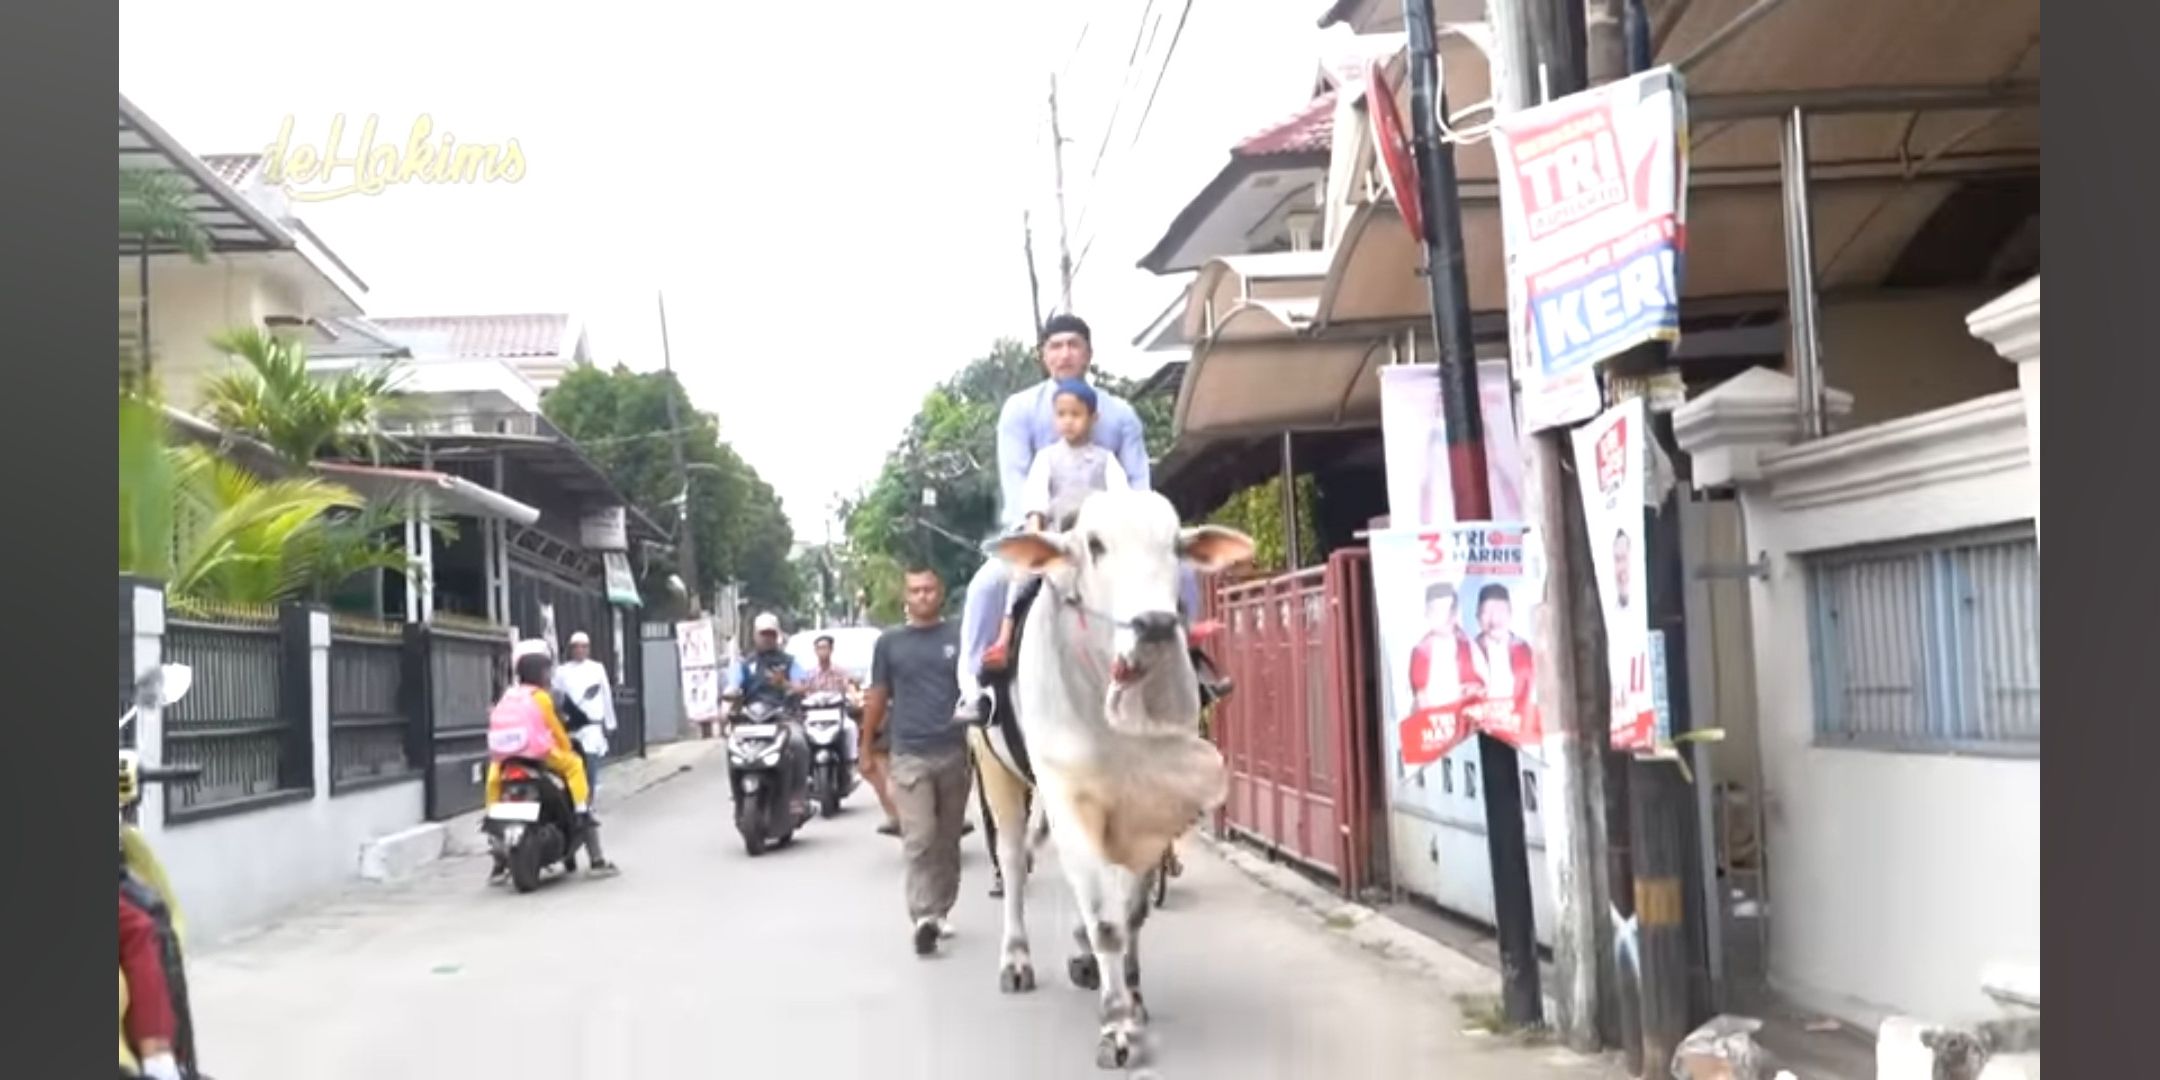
(1293, 733)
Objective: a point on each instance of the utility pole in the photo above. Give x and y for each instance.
(1027, 239)
(1616, 43)
(1505, 831)
(1538, 53)
(1536, 48)
(685, 538)
(1057, 156)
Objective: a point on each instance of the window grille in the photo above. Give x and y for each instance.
(1930, 645)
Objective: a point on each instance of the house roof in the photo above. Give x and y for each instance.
(354, 337)
(1310, 130)
(497, 336)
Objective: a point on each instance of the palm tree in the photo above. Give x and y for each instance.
(153, 209)
(275, 399)
(214, 531)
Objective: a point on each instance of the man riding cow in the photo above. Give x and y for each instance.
(1027, 426)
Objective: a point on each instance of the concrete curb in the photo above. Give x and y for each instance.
(397, 856)
(619, 783)
(1452, 972)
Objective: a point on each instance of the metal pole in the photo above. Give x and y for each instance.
(1446, 282)
(685, 536)
(1802, 308)
(1505, 831)
(1293, 554)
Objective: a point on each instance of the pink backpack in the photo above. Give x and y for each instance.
(518, 727)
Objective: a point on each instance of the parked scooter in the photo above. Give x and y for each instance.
(143, 881)
(828, 720)
(534, 825)
(765, 774)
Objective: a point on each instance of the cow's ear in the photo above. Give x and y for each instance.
(1213, 548)
(1033, 552)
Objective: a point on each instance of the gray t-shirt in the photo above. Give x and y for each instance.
(918, 668)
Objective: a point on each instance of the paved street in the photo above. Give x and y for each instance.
(701, 962)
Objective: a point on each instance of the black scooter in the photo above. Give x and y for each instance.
(766, 773)
(533, 826)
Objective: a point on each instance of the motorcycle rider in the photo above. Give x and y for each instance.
(773, 675)
(148, 1026)
(528, 709)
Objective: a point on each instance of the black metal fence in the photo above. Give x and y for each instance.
(460, 672)
(371, 725)
(246, 720)
(406, 702)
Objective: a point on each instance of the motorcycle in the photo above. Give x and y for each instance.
(142, 877)
(534, 825)
(829, 722)
(765, 775)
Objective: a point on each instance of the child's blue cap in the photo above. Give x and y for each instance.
(1077, 388)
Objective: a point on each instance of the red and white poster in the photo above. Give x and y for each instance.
(1458, 609)
(1414, 440)
(1593, 204)
(1612, 456)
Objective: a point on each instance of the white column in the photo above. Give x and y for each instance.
(2011, 323)
(319, 699)
(150, 729)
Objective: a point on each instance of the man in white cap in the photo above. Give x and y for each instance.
(772, 674)
(771, 671)
(588, 704)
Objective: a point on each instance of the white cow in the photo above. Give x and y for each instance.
(1109, 710)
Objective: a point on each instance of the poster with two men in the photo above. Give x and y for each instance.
(1457, 602)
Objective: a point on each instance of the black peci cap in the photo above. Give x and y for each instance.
(1066, 323)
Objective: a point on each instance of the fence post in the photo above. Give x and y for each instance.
(142, 649)
(296, 696)
(316, 655)
(416, 701)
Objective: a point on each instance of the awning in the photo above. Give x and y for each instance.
(450, 494)
(1285, 384)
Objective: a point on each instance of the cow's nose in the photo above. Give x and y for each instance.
(1156, 627)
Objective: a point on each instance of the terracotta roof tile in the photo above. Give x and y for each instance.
(1311, 129)
(500, 336)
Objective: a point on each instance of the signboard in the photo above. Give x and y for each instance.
(1612, 456)
(621, 584)
(1414, 440)
(1593, 207)
(700, 655)
(1393, 141)
(605, 530)
(1457, 607)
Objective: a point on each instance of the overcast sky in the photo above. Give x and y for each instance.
(829, 194)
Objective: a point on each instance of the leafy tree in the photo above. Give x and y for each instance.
(1257, 512)
(741, 533)
(949, 448)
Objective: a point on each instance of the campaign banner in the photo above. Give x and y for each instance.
(1457, 608)
(1612, 457)
(1414, 441)
(1593, 204)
